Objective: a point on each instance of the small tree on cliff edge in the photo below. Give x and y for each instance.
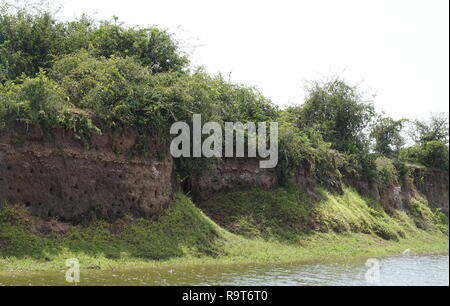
(387, 136)
(339, 112)
(436, 128)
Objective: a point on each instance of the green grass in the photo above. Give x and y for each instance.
(288, 215)
(253, 226)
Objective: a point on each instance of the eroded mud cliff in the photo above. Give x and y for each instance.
(232, 174)
(62, 177)
(235, 174)
(434, 185)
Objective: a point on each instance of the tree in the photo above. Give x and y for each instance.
(152, 46)
(31, 40)
(431, 154)
(338, 111)
(387, 135)
(435, 154)
(27, 43)
(435, 128)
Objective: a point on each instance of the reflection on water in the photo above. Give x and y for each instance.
(398, 270)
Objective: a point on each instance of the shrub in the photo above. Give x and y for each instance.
(387, 173)
(339, 112)
(362, 165)
(433, 154)
(41, 101)
(387, 135)
(30, 41)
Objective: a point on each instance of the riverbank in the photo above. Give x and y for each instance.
(256, 226)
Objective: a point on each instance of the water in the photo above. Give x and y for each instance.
(401, 270)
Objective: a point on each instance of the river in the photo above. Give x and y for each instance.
(403, 270)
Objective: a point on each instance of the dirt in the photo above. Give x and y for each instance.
(61, 177)
(232, 174)
(434, 185)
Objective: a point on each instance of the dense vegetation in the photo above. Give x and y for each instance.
(92, 77)
(71, 74)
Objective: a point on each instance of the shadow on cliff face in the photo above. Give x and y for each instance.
(181, 230)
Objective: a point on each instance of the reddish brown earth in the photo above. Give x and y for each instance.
(434, 185)
(61, 177)
(240, 174)
(232, 174)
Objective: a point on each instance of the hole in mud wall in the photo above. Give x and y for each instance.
(186, 185)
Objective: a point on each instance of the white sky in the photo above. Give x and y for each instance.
(398, 49)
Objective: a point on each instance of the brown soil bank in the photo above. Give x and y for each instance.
(62, 177)
(434, 184)
(240, 174)
(59, 176)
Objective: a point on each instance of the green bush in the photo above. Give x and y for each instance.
(121, 92)
(41, 101)
(434, 154)
(30, 42)
(387, 173)
(387, 135)
(339, 112)
(362, 165)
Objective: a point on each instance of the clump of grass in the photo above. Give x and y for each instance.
(425, 218)
(14, 214)
(352, 213)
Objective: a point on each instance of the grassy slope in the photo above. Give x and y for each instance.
(252, 226)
